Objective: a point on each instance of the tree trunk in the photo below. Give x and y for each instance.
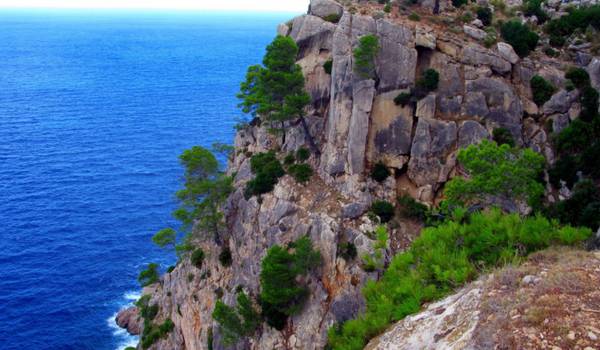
(311, 140)
(436, 7)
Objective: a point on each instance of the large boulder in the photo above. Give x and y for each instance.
(503, 106)
(390, 131)
(471, 132)
(325, 8)
(397, 58)
(129, 319)
(432, 156)
(477, 55)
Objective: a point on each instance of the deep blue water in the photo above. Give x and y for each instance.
(95, 107)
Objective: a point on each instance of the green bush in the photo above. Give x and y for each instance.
(577, 18)
(225, 257)
(383, 209)
(268, 170)
(414, 17)
(380, 172)
(485, 15)
(197, 258)
(444, 258)
(300, 172)
(170, 269)
(403, 99)
(152, 333)
(579, 77)
(430, 79)
(565, 169)
(375, 260)
(387, 8)
(302, 154)
(557, 41)
(410, 208)
(459, 3)
(590, 160)
(575, 138)
(520, 37)
(328, 66)
(333, 18)
(534, 8)
(589, 103)
(282, 294)
(289, 159)
(364, 56)
(239, 322)
(497, 171)
(347, 251)
(580, 209)
(503, 136)
(149, 275)
(541, 89)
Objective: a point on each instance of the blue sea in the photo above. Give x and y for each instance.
(95, 108)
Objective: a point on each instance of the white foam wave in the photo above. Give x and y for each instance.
(124, 339)
(132, 295)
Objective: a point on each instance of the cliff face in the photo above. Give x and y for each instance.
(357, 124)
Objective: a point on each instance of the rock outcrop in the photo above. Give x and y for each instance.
(549, 302)
(357, 123)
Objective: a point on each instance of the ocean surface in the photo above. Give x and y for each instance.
(95, 108)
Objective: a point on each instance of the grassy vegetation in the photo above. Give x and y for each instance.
(444, 258)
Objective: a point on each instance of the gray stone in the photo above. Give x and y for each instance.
(426, 107)
(559, 122)
(477, 55)
(593, 70)
(312, 34)
(324, 8)
(364, 92)
(347, 306)
(474, 33)
(560, 102)
(433, 142)
(354, 210)
(397, 57)
(476, 105)
(283, 29)
(471, 132)
(425, 37)
(507, 52)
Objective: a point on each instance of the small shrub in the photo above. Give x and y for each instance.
(225, 257)
(459, 3)
(550, 52)
(190, 277)
(300, 172)
(541, 89)
(430, 79)
(239, 322)
(403, 99)
(387, 8)
(575, 138)
(590, 160)
(589, 103)
(347, 251)
(520, 37)
(503, 136)
(380, 172)
(414, 17)
(557, 41)
(579, 77)
(170, 269)
(333, 18)
(289, 159)
(534, 8)
(302, 154)
(410, 208)
(577, 19)
(282, 294)
(485, 15)
(375, 261)
(149, 275)
(268, 170)
(364, 56)
(579, 209)
(328, 66)
(197, 258)
(564, 169)
(384, 210)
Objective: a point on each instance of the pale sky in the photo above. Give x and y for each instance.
(247, 5)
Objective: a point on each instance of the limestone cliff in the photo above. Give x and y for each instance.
(357, 124)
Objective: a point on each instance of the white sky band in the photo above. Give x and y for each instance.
(240, 5)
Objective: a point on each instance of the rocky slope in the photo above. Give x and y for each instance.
(356, 124)
(550, 302)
